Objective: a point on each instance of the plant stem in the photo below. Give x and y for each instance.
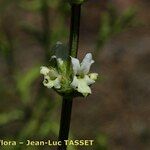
(68, 101)
(65, 121)
(74, 30)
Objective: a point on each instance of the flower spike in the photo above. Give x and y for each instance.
(57, 76)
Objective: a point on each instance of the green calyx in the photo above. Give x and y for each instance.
(65, 87)
(76, 1)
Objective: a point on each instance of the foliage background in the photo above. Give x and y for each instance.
(116, 115)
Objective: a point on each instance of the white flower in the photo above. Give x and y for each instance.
(44, 70)
(49, 83)
(82, 79)
(57, 76)
(51, 77)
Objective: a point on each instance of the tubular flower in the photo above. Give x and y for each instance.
(82, 79)
(51, 77)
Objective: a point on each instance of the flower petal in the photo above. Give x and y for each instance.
(74, 83)
(88, 80)
(53, 57)
(86, 63)
(83, 87)
(75, 65)
(51, 83)
(44, 70)
(47, 82)
(93, 76)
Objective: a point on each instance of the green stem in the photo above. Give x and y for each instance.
(68, 101)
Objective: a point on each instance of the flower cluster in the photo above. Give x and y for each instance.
(80, 81)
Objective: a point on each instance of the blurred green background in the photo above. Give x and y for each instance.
(117, 32)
